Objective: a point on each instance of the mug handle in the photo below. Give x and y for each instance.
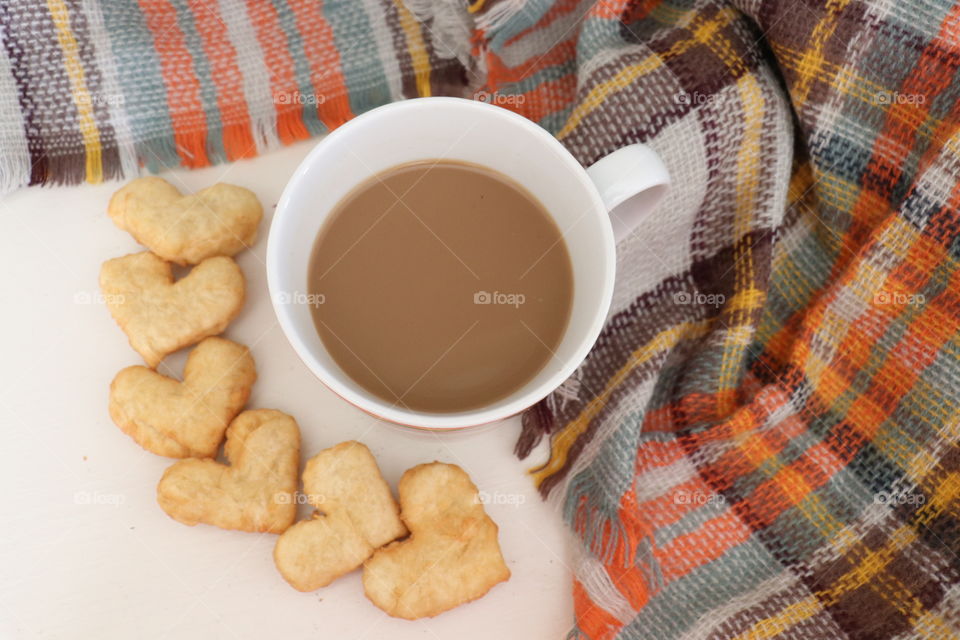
(632, 181)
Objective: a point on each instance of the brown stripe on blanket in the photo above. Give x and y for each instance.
(46, 96)
(872, 609)
(935, 518)
(597, 134)
(791, 26)
(39, 169)
(448, 77)
(408, 82)
(723, 136)
(748, 621)
(731, 51)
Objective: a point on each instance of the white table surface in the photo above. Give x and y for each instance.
(86, 552)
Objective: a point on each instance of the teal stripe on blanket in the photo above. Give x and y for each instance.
(140, 80)
(359, 57)
(201, 67)
(288, 24)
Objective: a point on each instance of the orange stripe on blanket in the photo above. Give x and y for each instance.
(925, 253)
(677, 498)
(626, 11)
(631, 556)
(183, 88)
(660, 419)
(610, 9)
(906, 361)
(708, 543)
(324, 60)
(941, 223)
(683, 498)
(850, 354)
(931, 75)
(697, 408)
(902, 366)
(541, 102)
(744, 421)
(788, 485)
(935, 326)
(736, 463)
(228, 80)
(792, 484)
(656, 455)
(277, 58)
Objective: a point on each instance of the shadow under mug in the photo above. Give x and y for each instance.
(592, 207)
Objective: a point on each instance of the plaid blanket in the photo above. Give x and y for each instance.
(764, 442)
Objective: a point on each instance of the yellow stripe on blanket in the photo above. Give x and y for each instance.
(416, 47)
(813, 62)
(870, 568)
(81, 95)
(746, 298)
(775, 625)
(597, 96)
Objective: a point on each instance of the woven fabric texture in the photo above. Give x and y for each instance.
(764, 441)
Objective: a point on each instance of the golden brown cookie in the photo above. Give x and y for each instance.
(218, 221)
(355, 514)
(184, 419)
(452, 555)
(161, 316)
(255, 492)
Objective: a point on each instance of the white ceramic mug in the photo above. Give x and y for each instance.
(592, 207)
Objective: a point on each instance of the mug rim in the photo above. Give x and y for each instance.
(383, 409)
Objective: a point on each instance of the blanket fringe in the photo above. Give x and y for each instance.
(499, 15)
(537, 421)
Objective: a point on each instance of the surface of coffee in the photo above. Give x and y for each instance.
(440, 286)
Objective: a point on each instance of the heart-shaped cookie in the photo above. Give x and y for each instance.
(161, 316)
(184, 419)
(218, 221)
(255, 492)
(452, 555)
(355, 514)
